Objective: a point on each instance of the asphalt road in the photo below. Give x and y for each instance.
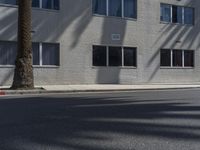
(149, 120)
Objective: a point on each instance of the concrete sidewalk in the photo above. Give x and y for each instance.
(95, 88)
(115, 87)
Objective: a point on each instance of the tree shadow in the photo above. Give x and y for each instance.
(69, 26)
(49, 26)
(172, 36)
(110, 26)
(8, 32)
(92, 122)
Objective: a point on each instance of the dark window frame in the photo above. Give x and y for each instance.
(193, 17)
(122, 11)
(94, 57)
(134, 49)
(183, 14)
(161, 61)
(122, 64)
(182, 59)
(34, 65)
(162, 19)
(110, 61)
(58, 53)
(37, 7)
(135, 9)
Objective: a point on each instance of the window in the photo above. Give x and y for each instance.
(165, 57)
(8, 52)
(50, 4)
(130, 8)
(47, 4)
(11, 2)
(188, 58)
(189, 16)
(176, 58)
(165, 13)
(35, 3)
(99, 7)
(117, 8)
(99, 55)
(36, 53)
(114, 56)
(176, 14)
(50, 54)
(130, 56)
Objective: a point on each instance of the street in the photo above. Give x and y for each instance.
(144, 120)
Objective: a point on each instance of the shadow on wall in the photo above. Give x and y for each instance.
(170, 33)
(111, 75)
(67, 25)
(48, 26)
(8, 23)
(84, 123)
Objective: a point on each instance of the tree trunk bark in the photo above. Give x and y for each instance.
(23, 75)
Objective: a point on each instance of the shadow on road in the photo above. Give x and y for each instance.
(76, 122)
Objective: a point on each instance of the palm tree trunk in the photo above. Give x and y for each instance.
(23, 75)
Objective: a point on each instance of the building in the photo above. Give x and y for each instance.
(106, 41)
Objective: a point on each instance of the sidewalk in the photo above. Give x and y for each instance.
(95, 88)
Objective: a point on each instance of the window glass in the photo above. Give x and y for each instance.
(176, 14)
(50, 4)
(115, 56)
(36, 3)
(177, 58)
(8, 52)
(165, 13)
(165, 57)
(36, 56)
(188, 58)
(47, 4)
(12, 2)
(189, 16)
(115, 8)
(182, 15)
(99, 7)
(99, 55)
(129, 56)
(57, 4)
(130, 8)
(50, 54)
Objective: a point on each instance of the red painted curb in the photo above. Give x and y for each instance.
(2, 93)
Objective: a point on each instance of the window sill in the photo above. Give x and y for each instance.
(45, 66)
(118, 67)
(44, 9)
(115, 17)
(7, 66)
(180, 24)
(177, 67)
(8, 5)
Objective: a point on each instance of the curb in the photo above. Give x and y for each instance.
(32, 92)
(2, 93)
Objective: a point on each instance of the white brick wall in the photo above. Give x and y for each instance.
(76, 29)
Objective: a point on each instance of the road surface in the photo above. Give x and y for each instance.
(145, 120)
